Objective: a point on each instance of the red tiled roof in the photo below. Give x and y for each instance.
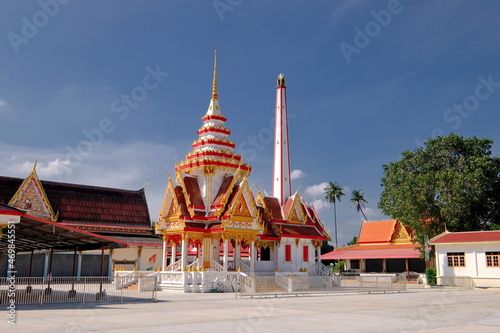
(88, 204)
(377, 231)
(181, 200)
(193, 189)
(392, 251)
(274, 207)
(300, 230)
(287, 206)
(467, 237)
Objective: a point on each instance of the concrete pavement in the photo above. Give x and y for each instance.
(418, 310)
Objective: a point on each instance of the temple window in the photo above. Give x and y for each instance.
(456, 259)
(492, 259)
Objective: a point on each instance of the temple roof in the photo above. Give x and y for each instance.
(88, 204)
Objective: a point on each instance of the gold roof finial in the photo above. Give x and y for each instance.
(281, 80)
(214, 85)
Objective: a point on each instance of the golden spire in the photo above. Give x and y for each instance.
(214, 85)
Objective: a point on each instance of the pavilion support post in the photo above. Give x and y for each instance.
(79, 266)
(72, 292)
(252, 254)
(48, 290)
(318, 254)
(28, 288)
(164, 256)
(225, 259)
(183, 254)
(237, 254)
(384, 265)
(100, 295)
(207, 252)
(174, 253)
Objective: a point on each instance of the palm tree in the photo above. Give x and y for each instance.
(358, 200)
(334, 192)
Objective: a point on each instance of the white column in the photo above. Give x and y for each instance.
(236, 254)
(46, 264)
(110, 263)
(252, 256)
(174, 253)
(79, 265)
(318, 254)
(164, 256)
(184, 254)
(226, 246)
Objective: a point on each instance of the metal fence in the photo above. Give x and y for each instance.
(458, 282)
(37, 290)
(295, 285)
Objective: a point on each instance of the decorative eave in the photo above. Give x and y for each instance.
(218, 117)
(220, 142)
(215, 129)
(212, 153)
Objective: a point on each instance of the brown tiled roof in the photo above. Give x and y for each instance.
(222, 190)
(89, 204)
(8, 187)
(181, 200)
(268, 232)
(274, 207)
(193, 189)
(299, 230)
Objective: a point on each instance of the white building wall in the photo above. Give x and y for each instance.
(475, 262)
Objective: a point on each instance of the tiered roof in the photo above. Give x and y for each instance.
(198, 203)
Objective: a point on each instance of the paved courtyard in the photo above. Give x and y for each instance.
(418, 310)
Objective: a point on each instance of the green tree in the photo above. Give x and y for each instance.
(333, 193)
(451, 183)
(353, 241)
(358, 201)
(326, 247)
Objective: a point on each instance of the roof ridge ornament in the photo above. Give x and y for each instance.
(214, 84)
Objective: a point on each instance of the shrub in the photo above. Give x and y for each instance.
(430, 275)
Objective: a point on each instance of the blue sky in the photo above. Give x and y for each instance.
(366, 80)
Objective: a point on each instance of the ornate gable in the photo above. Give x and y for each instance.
(243, 212)
(170, 211)
(31, 197)
(401, 234)
(296, 213)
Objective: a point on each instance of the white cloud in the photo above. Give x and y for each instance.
(5, 108)
(111, 164)
(321, 204)
(316, 190)
(296, 174)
